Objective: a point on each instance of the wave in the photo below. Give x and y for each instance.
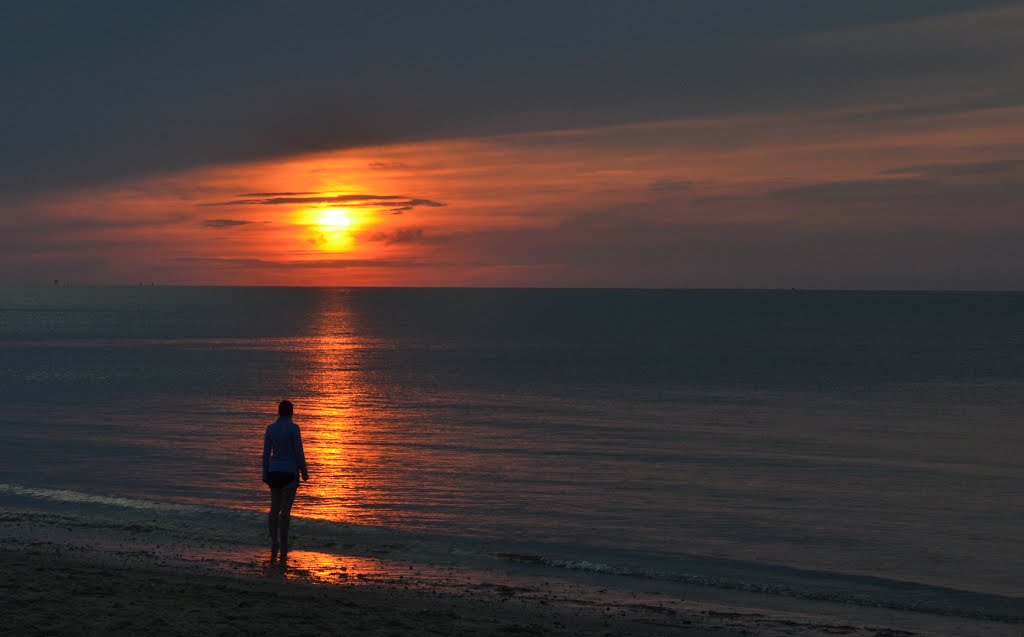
(65, 495)
(812, 585)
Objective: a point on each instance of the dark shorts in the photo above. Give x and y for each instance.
(278, 479)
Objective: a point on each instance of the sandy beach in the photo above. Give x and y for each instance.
(67, 576)
(50, 593)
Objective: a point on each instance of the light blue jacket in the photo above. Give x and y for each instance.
(282, 449)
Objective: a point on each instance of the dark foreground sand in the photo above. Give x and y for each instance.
(51, 594)
(62, 575)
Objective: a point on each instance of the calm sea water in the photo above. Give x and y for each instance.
(830, 441)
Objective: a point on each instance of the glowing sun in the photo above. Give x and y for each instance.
(335, 219)
(332, 228)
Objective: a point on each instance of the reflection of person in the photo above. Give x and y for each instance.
(283, 461)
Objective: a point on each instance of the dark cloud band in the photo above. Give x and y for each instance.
(395, 204)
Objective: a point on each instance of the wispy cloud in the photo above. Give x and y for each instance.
(274, 194)
(671, 184)
(227, 223)
(304, 264)
(402, 235)
(395, 204)
(386, 165)
(963, 169)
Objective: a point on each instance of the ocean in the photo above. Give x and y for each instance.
(861, 447)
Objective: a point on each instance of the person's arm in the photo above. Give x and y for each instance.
(266, 455)
(300, 455)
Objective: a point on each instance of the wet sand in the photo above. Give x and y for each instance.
(65, 575)
(50, 592)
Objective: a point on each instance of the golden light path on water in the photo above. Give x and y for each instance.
(335, 410)
(338, 569)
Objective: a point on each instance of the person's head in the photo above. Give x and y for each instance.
(285, 409)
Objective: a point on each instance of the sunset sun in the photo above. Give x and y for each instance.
(335, 219)
(332, 228)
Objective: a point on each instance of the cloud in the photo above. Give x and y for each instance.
(413, 203)
(395, 204)
(226, 223)
(386, 165)
(425, 202)
(274, 194)
(963, 169)
(43, 222)
(935, 193)
(77, 110)
(276, 199)
(929, 108)
(783, 254)
(402, 235)
(671, 184)
(304, 264)
(854, 191)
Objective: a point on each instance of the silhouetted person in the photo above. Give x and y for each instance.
(283, 461)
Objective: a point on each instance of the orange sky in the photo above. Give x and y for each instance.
(812, 145)
(569, 207)
(815, 145)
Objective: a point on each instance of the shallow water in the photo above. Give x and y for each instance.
(801, 442)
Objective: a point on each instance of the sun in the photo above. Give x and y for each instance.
(333, 229)
(335, 219)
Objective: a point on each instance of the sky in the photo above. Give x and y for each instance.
(589, 143)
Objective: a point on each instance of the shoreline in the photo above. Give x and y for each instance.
(85, 576)
(48, 590)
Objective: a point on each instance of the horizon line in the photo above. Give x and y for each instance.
(522, 287)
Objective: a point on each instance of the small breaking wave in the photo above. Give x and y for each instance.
(65, 495)
(812, 585)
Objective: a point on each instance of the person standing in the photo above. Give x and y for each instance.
(283, 462)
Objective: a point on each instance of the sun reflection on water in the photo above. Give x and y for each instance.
(329, 568)
(332, 413)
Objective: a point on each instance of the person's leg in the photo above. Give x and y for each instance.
(272, 521)
(287, 499)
